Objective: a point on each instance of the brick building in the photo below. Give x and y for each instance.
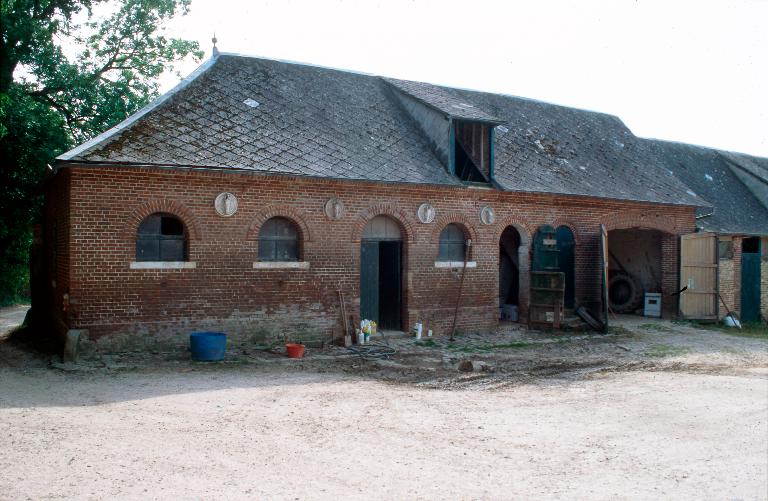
(736, 185)
(247, 197)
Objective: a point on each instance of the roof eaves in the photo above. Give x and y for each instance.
(90, 144)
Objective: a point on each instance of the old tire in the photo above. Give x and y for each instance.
(624, 293)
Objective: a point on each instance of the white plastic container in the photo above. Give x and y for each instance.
(652, 304)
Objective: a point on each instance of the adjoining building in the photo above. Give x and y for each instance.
(251, 195)
(737, 187)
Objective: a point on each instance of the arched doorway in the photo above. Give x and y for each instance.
(381, 263)
(509, 273)
(566, 262)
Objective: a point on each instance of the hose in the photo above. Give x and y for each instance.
(372, 351)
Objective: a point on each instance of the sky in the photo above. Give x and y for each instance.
(694, 72)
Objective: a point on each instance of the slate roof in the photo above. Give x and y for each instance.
(446, 100)
(706, 171)
(310, 121)
(555, 149)
(314, 121)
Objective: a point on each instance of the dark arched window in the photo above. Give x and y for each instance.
(278, 240)
(452, 243)
(161, 237)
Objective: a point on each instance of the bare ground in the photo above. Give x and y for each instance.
(655, 409)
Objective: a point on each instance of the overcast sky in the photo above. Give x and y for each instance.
(694, 72)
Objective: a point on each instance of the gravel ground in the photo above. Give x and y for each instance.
(656, 410)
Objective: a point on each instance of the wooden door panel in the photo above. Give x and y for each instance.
(698, 275)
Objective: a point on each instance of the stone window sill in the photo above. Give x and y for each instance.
(455, 264)
(281, 265)
(163, 265)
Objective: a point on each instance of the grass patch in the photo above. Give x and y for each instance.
(655, 327)
(754, 330)
(666, 350)
(619, 330)
(429, 343)
(488, 347)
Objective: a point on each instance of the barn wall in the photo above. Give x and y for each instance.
(225, 292)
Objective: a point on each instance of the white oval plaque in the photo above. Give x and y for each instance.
(487, 216)
(426, 213)
(225, 204)
(334, 208)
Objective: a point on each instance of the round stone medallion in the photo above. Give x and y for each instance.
(225, 204)
(426, 213)
(334, 208)
(487, 216)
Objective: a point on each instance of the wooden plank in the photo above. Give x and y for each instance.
(604, 273)
(698, 275)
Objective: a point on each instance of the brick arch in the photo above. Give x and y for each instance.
(163, 205)
(651, 220)
(521, 226)
(453, 217)
(399, 215)
(560, 222)
(285, 211)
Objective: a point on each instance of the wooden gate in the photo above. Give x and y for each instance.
(698, 275)
(604, 273)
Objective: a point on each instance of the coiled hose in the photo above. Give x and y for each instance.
(372, 351)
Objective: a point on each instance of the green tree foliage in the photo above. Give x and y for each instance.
(68, 71)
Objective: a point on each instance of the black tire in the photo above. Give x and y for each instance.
(625, 294)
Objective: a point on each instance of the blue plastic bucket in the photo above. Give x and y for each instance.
(207, 346)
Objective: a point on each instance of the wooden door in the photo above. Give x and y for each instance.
(604, 273)
(566, 260)
(369, 281)
(698, 275)
(750, 286)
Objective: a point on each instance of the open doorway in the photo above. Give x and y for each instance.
(381, 263)
(634, 269)
(509, 274)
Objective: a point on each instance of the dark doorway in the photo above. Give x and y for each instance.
(381, 282)
(634, 268)
(750, 280)
(509, 272)
(566, 245)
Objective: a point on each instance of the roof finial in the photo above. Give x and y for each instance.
(215, 49)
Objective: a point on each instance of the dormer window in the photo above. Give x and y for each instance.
(473, 151)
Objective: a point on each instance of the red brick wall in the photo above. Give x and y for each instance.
(56, 256)
(225, 292)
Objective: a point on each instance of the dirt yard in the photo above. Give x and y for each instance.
(653, 410)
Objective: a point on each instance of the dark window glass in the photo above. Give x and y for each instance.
(278, 240)
(725, 249)
(750, 245)
(452, 243)
(161, 237)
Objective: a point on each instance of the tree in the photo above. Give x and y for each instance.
(51, 100)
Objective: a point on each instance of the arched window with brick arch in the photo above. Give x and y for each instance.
(162, 237)
(279, 240)
(453, 243)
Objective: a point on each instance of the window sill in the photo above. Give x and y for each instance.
(163, 265)
(281, 265)
(455, 264)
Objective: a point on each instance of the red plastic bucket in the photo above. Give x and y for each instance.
(294, 350)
